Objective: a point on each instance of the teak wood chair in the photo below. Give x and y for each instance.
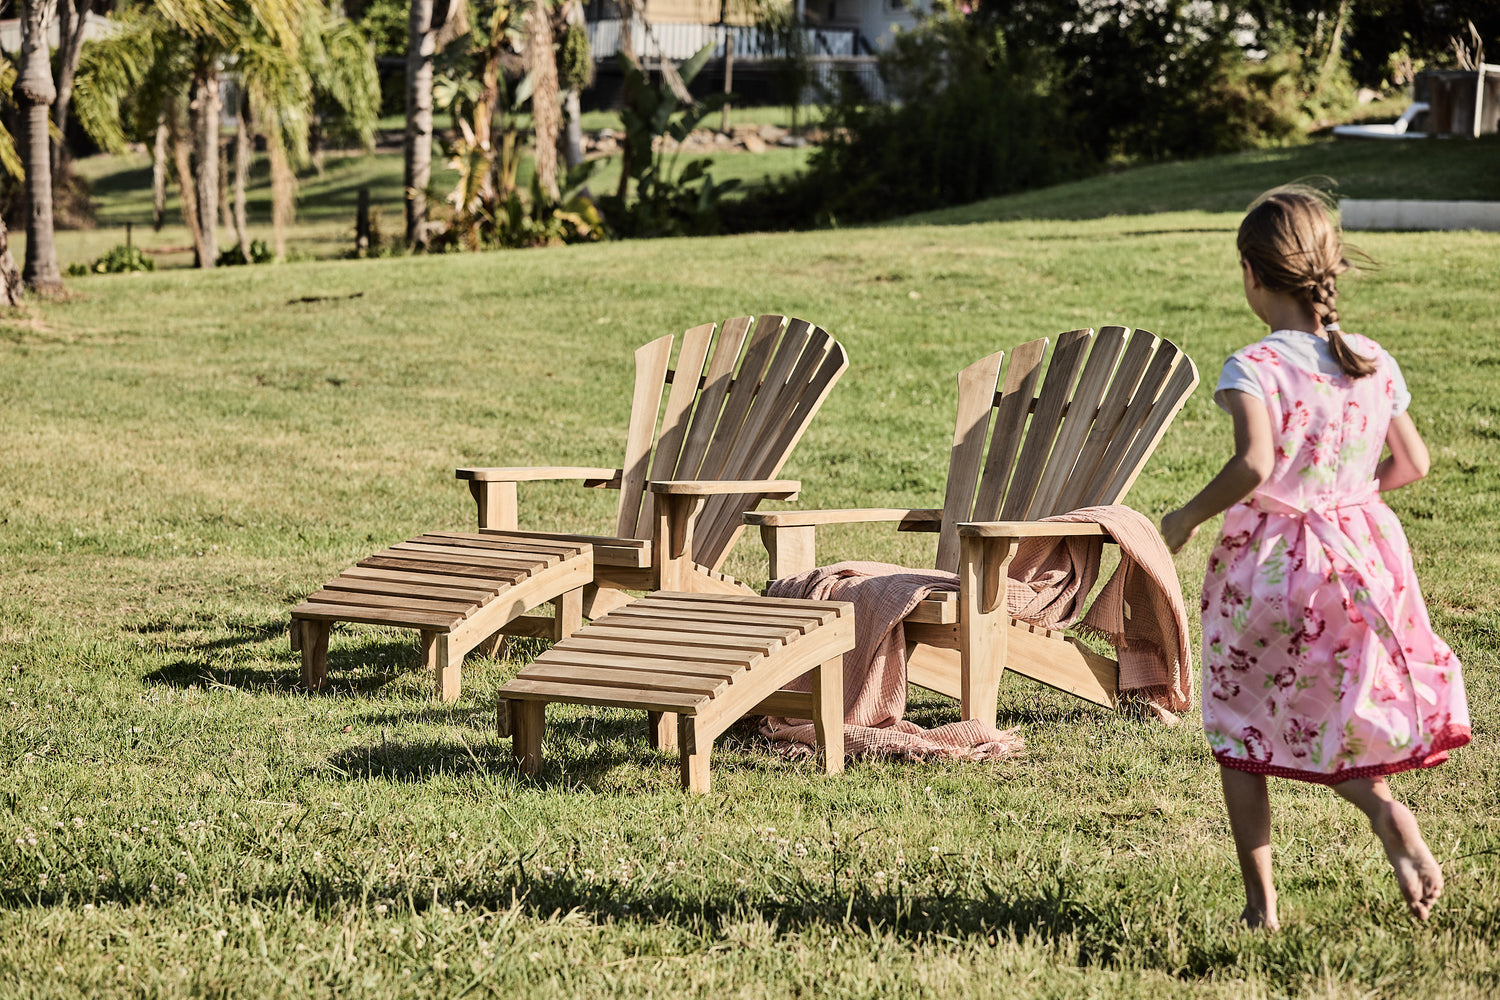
(710, 447)
(1079, 441)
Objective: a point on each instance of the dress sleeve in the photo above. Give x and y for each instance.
(1237, 375)
(1401, 396)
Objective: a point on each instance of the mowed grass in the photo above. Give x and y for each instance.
(185, 455)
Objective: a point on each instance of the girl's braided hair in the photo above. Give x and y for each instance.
(1292, 243)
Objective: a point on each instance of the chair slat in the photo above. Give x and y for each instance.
(675, 418)
(1111, 467)
(711, 399)
(747, 384)
(1062, 371)
(976, 396)
(1007, 430)
(1138, 353)
(1078, 421)
(650, 376)
(1184, 379)
(756, 448)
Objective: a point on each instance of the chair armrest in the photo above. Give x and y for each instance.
(775, 489)
(1028, 529)
(533, 473)
(807, 518)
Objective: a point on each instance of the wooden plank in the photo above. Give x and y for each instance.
(1078, 421)
(580, 694)
(1030, 529)
(626, 617)
(1179, 387)
(566, 673)
(609, 550)
(769, 431)
(526, 562)
(1008, 429)
(976, 392)
(532, 473)
(934, 612)
(1138, 353)
(376, 616)
(709, 611)
(718, 380)
(650, 377)
(507, 542)
(422, 591)
(1064, 664)
(445, 568)
(748, 383)
(362, 600)
(653, 632)
(642, 661)
(843, 609)
(678, 414)
(1062, 371)
(1137, 411)
(586, 644)
(853, 515)
(420, 579)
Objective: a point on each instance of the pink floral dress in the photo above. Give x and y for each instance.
(1319, 660)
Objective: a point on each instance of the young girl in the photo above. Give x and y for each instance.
(1319, 661)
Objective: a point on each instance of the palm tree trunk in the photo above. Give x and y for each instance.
(205, 108)
(421, 43)
(283, 195)
(159, 172)
(72, 20)
(544, 110)
(34, 91)
(182, 158)
(12, 288)
(241, 174)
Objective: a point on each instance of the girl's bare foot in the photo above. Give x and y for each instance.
(1417, 871)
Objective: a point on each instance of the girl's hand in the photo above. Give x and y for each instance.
(1176, 530)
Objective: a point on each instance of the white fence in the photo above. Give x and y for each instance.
(680, 41)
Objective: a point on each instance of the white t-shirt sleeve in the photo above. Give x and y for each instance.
(1236, 375)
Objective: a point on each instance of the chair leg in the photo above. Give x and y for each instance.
(828, 713)
(661, 730)
(313, 643)
(494, 646)
(528, 721)
(445, 668)
(694, 755)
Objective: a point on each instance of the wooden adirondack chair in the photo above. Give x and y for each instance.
(738, 405)
(1080, 441)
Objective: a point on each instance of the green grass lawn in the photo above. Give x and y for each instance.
(187, 454)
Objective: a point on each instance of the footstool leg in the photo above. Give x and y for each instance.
(567, 617)
(494, 646)
(661, 730)
(445, 668)
(528, 720)
(828, 713)
(314, 646)
(694, 756)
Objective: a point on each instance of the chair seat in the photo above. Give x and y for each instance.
(458, 586)
(708, 659)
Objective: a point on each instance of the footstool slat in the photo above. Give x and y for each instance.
(659, 664)
(393, 588)
(477, 557)
(507, 576)
(433, 620)
(650, 700)
(414, 602)
(695, 671)
(377, 575)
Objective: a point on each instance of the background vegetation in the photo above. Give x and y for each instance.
(186, 455)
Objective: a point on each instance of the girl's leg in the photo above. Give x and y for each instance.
(1249, 806)
(1417, 871)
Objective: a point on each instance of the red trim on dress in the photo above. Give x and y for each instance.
(1450, 738)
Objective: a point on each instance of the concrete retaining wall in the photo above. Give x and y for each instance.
(1360, 213)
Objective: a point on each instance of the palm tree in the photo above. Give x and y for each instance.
(35, 91)
(421, 45)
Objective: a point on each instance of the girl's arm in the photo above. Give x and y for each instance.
(1253, 461)
(1408, 459)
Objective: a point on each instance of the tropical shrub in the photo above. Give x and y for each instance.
(260, 253)
(121, 259)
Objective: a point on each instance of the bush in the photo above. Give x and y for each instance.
(121, 259)
(260, 253)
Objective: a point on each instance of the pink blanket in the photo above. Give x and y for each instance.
(1140, 610)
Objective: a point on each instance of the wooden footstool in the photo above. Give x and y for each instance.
(457, 589)
(696, 663)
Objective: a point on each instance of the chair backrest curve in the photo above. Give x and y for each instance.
(1079, 440)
